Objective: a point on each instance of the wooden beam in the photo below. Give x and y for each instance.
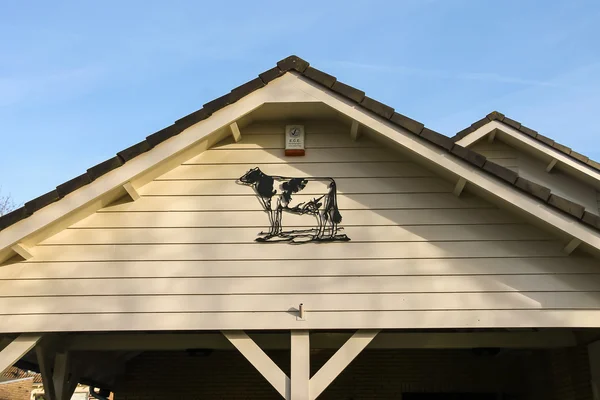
(492, 136)
(131, 191)
(45, 362)
(300, 365)
(551, 165)
(354, 130)
(16, 350)
(572, 245)
(267, 368)
(280, 341)
(22, 250)
(339, 361)
(460, 185)
(235, 131)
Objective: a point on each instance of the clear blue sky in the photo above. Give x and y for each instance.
(82, 80)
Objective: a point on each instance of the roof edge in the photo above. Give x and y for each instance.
(548, 142)
(295, 63)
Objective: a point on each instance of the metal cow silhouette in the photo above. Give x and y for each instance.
(275, 195)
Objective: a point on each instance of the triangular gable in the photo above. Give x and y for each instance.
(298, 82)
(544, 147)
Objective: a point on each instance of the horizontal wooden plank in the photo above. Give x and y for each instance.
(314, 320)
(266, 141)
(311, 128)
(345, 202)
(271, 251)
(260, 218)
(288, 285)
(494, 154)
(336, 170)
(215, 187)
(342, 268)
(243, 235)
(311, 302)
(258, 156)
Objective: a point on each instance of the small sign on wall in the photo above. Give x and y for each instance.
(294, 140)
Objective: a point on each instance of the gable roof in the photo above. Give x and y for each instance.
(498, 116)
(297, 65)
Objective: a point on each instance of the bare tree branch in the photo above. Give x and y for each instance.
(7, 204)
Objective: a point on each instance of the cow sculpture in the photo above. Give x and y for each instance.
(275, 194)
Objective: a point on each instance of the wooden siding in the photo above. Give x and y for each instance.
(498, 152)
(183, 256)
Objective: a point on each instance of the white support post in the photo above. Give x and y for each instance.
(22, 250)
(17, 349)
(267, 368)
(354, 131)
(339, 361)
(460, 185)
(45, 362)
(551, 165)
(131, 191)
(492, 136)
(64, 378)
(300, 365)
(572, 245)
(235, 131)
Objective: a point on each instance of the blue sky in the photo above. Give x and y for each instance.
(82, 80)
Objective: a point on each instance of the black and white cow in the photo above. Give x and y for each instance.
(275, 194)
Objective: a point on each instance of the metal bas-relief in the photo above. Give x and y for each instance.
(275, 195)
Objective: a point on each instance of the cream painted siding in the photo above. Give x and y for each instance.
(183, 256)
(498, 152)
(531, 168)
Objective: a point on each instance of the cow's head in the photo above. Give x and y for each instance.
(251, 177)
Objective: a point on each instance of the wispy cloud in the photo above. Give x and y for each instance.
(441, 74)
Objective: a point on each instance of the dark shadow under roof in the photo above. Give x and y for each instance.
(294, 63)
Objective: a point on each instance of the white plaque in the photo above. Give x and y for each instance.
(294, 137)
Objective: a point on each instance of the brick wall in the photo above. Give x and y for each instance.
(19, 389)
(383, 374)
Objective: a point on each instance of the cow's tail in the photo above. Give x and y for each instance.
(336, 217)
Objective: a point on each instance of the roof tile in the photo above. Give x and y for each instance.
(437, 138)
(579, 156)
(218, 103)
(562, 148)
(469, 155)
(512, 123)
(545, 140)
(591, 219)
(192, 119)
(320, 77)
(463, 133)
(407, 123)
(247, 88)
(42, 201)
(594, 164)
(271, 74)
(539, 191)
(500, 171)
(73, 185)
(134, 151)
(97, 171)
(528, 131)
(479, 124)
(164, 134)
(13, 217)
(495, 115)
(348, 91)
(378, 108)
(567, 206)
(293, 62)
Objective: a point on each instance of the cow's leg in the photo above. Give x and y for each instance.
(278, 216)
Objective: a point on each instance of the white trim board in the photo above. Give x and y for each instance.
(291, 88)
